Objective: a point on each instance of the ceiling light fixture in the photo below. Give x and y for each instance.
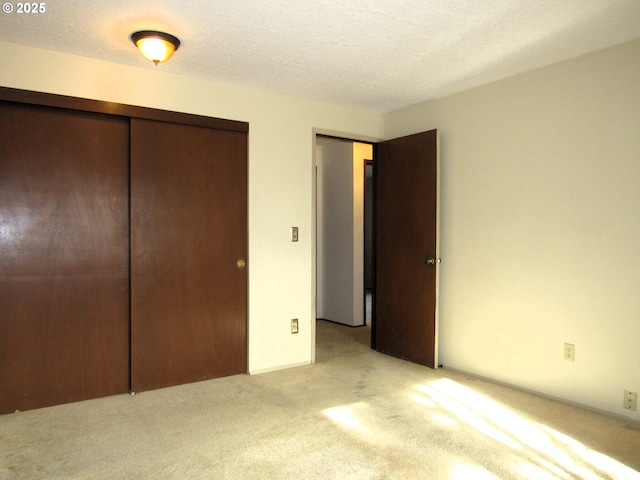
(157, 47)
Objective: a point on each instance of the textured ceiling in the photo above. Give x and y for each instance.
(373, 54)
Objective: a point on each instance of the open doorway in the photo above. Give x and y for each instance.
(404, 320)
(344, 234)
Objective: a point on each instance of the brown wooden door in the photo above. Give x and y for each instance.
(188, 231)
(405, 238)
(64, 284)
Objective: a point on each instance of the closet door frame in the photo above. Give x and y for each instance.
(74, 103)
(19, 96)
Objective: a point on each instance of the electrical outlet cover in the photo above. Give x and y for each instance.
(569, 352)
(630, 400)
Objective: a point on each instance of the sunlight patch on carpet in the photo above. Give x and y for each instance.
(600, 461)
(346, 417)
(466, 414)
(422, 400)
(545, 453)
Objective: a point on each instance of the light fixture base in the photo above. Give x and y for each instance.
(157, 47)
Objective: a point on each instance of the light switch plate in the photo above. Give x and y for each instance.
(294, 234)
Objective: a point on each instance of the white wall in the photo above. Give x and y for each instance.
(281, 145)
(319, 192)
(540, 210)
(340, 230)
(335, 250)
(340, 234)
(361, 153)
(541, 225)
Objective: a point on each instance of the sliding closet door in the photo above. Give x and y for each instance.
(189, 245)
(64, 301)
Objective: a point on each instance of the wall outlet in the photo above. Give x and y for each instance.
(630, 400)
(294, 325)
(569, 352)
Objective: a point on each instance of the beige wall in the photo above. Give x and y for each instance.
(340, 230)
(540, 211)
(361, 153)
(281, 144)
(335, 232)
(540, 229)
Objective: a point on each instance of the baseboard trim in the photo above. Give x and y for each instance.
(341, 324)
(564, 401)
(279, 367)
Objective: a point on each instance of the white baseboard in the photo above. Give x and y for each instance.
(544, 395)
(280, 367)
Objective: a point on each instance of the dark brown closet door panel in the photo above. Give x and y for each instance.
(188, 231)
(62, 344)
(64, 329)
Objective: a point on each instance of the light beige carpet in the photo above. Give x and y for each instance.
(356, 414)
